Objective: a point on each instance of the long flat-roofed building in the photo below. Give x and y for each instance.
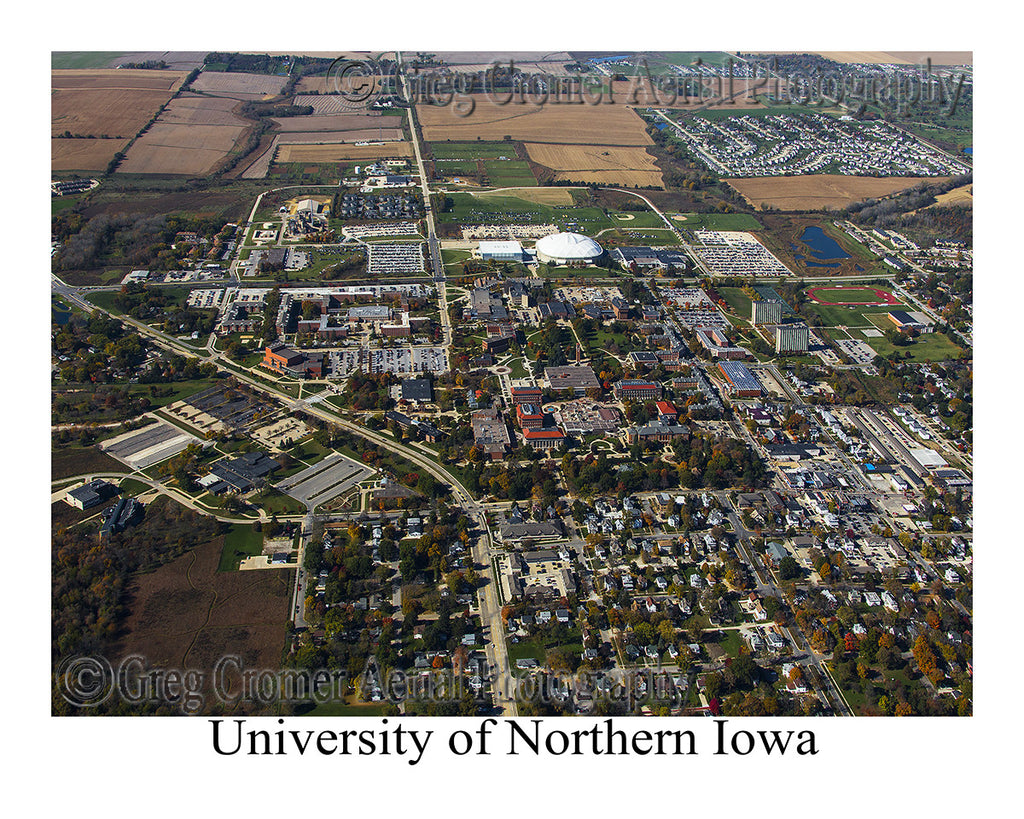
(501, 251)
(578, 378)
(741, 382)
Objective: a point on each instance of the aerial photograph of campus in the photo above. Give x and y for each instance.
(511, 384)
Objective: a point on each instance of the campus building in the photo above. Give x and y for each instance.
(765, 312)
(792, 338)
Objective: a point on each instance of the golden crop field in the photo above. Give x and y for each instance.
(820, 190)
(607, 164)
(108, 102)
(83, 154)
(340, 152)
(559, 123)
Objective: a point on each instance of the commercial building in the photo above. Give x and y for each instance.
(740, 381)
(765, 312)
(792, 338)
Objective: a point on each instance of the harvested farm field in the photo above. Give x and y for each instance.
(83, 154)
(821, 190)
(605, 164)
(337, 153)
(169, 148)
(195, 109)
(557, 123)
(108, 103)
(340, 122)
(186, 614)
(239, 85)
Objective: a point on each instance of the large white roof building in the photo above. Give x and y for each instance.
(566, 248)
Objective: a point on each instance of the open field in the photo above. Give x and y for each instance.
(238, 85)
(337, 153)
(342, 122)
(169, 148)
(566, 124)
(81, 461)
(471, 150)
(108, 103)
(186, 614)
(715, 221)
(82, 59)
(605, 164)
(195, 109)
(83, 154)
(963, 195)
(851, 295)
(926, 347)
(541, 196)
(820, 190)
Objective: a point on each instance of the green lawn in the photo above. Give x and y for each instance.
(471, 150)
(130, 486)
(738, 301)
(82, 59)
(525, 649)
(509, 173)
(865, 296)
(277, 503)
(716, 221)
(241, 540)
(925, 348)
(852, 316)
(179, 390)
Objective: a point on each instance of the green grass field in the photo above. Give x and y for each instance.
(716, 221)
(82, 460)
(83, 59)
(927, 347)
(277, 503)
(738, 301)
(835, 315)
(240, 541)
(471, 150)
(509, 173)
(865, 296)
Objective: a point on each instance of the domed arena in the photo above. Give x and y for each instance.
(568, 248)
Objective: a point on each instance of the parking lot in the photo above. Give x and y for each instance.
(147, 446)
(333, 476)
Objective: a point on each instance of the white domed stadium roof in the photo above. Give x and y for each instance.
(569, 246)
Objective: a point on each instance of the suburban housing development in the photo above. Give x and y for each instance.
(662, 406)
